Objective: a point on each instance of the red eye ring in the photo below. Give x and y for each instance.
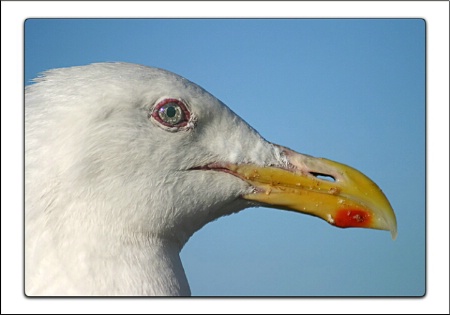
(171, 112)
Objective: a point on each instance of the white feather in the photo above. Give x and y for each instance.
(109, 201)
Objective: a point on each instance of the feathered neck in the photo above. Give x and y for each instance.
(137, 264)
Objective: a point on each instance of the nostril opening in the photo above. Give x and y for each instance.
(326, 177)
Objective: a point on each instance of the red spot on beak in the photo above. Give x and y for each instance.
(352, 218)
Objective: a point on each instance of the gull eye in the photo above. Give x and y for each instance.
(171, 113)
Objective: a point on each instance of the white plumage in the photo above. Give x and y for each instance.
(123, 163)
(109, 200)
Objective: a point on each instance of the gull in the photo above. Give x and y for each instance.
(124, 163)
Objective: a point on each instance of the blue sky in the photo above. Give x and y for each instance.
(351, 90)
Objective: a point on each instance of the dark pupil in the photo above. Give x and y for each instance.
(171, 111)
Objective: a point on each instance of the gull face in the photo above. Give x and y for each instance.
(225, 157)
(165, 157)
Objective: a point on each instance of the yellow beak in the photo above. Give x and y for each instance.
(348, 199)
